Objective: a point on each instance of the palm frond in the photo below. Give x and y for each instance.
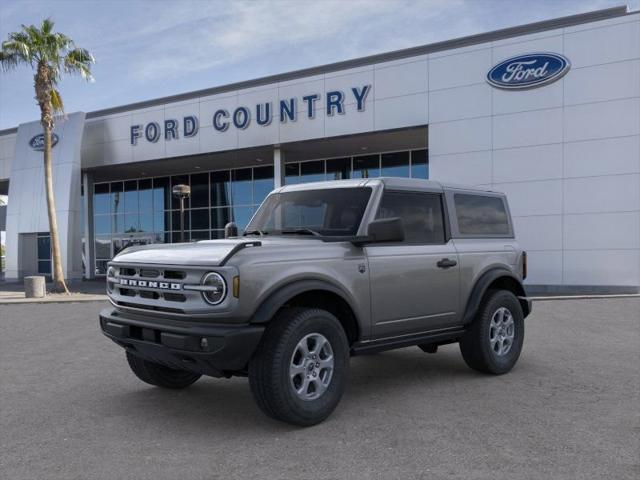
(9, 61)
(47, 26)
(79, 61)
(56, 101)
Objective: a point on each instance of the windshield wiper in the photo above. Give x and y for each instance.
(301, 231)
(254, 232)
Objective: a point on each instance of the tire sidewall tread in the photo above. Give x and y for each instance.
(269, 368)
(475, 345)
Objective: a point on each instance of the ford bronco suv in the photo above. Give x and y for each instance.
(324, 271)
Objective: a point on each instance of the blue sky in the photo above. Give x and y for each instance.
(149, 49)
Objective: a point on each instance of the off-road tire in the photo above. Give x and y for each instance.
(269, 375)
(475, 345)
(159, 375)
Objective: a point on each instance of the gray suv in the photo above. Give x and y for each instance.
(324, 271)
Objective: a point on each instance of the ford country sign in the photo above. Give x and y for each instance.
(528, 71)
(37, 142)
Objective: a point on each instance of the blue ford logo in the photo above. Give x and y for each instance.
(528, 71)
(37, 142)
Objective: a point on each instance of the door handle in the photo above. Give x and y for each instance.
(446, 263)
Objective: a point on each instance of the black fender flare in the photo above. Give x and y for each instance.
(279, 297)
(481, 287)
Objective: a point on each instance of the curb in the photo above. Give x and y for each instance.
(583, 297)
(72, 299)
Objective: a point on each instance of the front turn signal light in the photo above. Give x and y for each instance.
(236, 287)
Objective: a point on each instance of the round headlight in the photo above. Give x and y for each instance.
(111, 273)
(216, 288)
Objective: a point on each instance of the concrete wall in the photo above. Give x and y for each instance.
(398, 98)
(7, 152)
(27, 207)
(567, 154)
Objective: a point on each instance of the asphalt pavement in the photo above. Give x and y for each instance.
(71, 409)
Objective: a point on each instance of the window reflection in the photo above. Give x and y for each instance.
(144, 210)
(420, 164)
(262, 183)
(367, 166)
(200, 190)
(339, 168)
(220, 189)
(312, 171)
(241, 187)
(395, 164)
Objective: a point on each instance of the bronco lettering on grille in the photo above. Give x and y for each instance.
(130, 282)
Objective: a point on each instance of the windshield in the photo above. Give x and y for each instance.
(324, 212)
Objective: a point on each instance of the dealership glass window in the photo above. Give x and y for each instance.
(117, 223)
(220, 217)
(420, 164)
(262, 183)
(131, 223)
(481, 215)
(145, 195)
(217, 198)
(220, 188)
(200, 235)
(176, 236)
(367, 166)
(161, 221)
(241, 188)
(175, 220)
(161, 194)
(338, 168)
(312, 171)
(241, 216)
(146, 222)
(200, 219)
(131, 196)
(117, 191)
(102, 224)
(395, 164)
(44, 253)
(101, 198)
(292, 173)
(200, 190)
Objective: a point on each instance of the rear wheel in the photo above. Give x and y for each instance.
(299, 371)
(494, 340)
(159, 375)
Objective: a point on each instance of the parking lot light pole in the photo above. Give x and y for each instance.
(182, 192)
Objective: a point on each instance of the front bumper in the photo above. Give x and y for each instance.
(214, 350)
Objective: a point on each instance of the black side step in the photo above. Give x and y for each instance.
(362, 348)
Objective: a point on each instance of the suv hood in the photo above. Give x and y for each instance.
(207, 252)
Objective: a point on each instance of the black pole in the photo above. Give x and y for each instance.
(182, 219)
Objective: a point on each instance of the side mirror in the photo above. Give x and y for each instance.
(384, 230)
(230, 230)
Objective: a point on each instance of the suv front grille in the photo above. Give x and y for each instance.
(156, 288)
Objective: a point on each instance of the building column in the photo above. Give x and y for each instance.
(278, 167)
(87, 221)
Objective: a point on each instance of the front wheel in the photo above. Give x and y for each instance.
(494, 340)
(159, 375)
(299, 371)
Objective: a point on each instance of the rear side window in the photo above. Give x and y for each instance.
(481, 215)
(421, 215)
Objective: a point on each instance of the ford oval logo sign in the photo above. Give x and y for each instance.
(528, 71)
(37, 142)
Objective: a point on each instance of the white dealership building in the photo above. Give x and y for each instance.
(547, 112)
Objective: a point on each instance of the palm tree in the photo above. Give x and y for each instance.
(50, 55)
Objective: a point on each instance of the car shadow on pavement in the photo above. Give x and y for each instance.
(227, 404)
